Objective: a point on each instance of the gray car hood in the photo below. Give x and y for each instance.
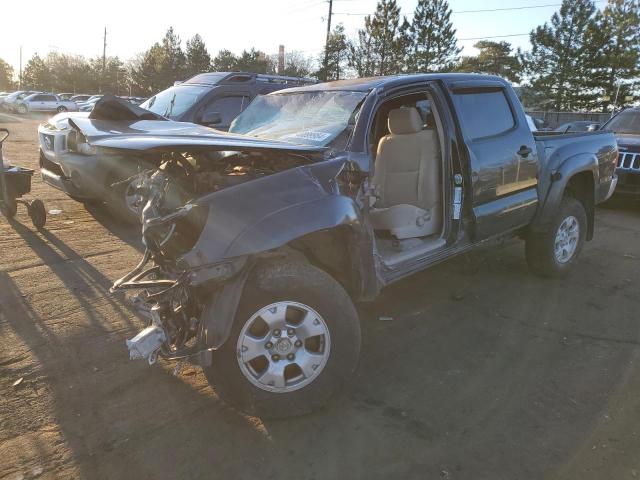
(167, 135)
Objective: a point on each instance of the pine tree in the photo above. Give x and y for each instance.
(254, 61)
(378, 49)
(36, 75)
(494, 58)
(225, 61)
(387, 39)
(559, 56)
(197, 56)
(146, 71)
(614, 44)
(361, 56)
(6, 75)
(173, 61)
(431, 38)
(337, 53)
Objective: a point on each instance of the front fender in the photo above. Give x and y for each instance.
(281, 227)
(268, 213)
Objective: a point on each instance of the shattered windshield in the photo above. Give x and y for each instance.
(627, 122)
(174, 101)
(305, 118)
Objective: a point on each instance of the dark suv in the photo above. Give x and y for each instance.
(626, 126)
(215, 99)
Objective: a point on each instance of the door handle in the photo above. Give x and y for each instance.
(524, 151)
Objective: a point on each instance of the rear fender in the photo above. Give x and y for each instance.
(556, 182)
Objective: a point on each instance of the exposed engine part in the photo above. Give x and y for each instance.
(146, 344)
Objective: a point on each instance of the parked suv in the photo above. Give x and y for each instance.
(626, 126)
(45, 102)
(215, 99)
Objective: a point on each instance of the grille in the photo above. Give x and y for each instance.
(629, 162)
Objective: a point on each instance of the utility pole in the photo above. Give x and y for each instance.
(326, 43)
(104, 56)
(20, 75)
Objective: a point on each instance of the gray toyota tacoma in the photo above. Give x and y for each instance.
(260, 241)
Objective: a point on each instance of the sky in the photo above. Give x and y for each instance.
(77, 26)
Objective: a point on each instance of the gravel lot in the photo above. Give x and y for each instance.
(484, 372)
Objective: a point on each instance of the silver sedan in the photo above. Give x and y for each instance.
(45, 102)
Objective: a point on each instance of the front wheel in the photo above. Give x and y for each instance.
(22, 109)
(552, 253)
(125, 201)
(61, 109)
(293, 343)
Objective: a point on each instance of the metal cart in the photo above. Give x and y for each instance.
(14, 183)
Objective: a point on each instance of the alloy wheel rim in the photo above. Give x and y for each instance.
(566, 241)
(283, 347)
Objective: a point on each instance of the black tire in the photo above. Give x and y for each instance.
(38, 213)
(22, 109)
(61, 109)
(540, 247)
(308, 285)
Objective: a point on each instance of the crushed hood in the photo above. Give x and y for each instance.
(116, 124)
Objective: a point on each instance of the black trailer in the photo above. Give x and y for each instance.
(14, 183)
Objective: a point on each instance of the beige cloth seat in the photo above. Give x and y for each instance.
(407, 178)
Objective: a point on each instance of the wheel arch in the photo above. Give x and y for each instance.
(577, 175)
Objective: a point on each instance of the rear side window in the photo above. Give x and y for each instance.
(484, 114)
(228, 107)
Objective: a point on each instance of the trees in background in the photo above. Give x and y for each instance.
(6, 76)
(430, 38)
(581, 59)
(613, 44)
(380, 47)
(558, 61)
(36, 74)
(494, 58)
(198, 58)
(337, 55)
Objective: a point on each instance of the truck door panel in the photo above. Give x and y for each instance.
(502, 154)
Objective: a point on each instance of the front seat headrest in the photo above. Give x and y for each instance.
(404, 120)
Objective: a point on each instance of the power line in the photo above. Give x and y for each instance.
(495, 36)
(524, 7)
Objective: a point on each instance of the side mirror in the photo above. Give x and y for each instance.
(210, 118)
(593, 127)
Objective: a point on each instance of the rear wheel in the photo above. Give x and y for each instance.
(552, 253)
(294, 342)
(61, 109)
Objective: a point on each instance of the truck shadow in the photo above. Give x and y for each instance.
(129, 234)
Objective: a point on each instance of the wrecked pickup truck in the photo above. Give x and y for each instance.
(260, 241)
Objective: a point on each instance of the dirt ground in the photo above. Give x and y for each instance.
(484, 372)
